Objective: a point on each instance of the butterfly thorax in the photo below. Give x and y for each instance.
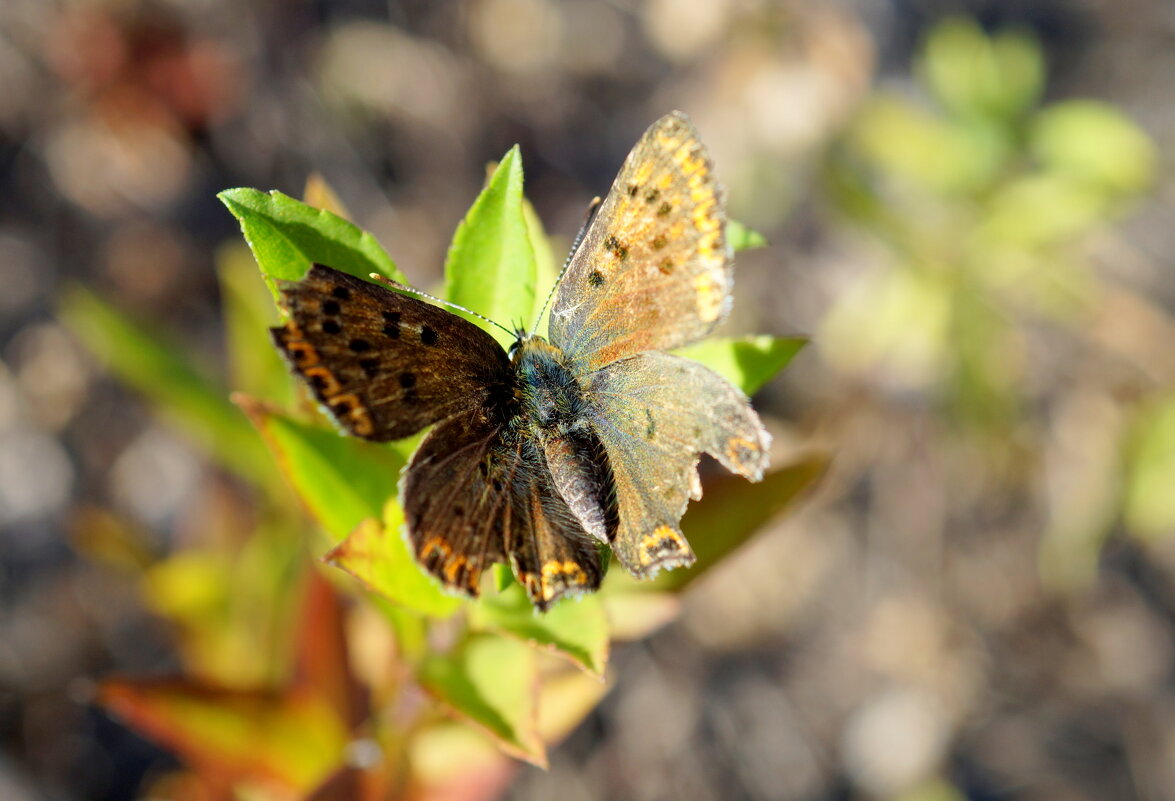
(554, 414)
(549, 394)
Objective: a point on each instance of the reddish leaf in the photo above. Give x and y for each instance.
(291, 741)
(322, 658)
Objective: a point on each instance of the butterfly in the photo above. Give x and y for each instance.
(540, 456)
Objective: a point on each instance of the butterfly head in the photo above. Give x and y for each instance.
(522, 339)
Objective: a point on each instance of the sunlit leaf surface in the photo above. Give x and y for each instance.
(492, 682)
(575, 627)
(341, 479)
(287, 236)
(491, 264)
(747, 362)
(377, 554)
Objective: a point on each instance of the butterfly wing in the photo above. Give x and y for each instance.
(656, 413)
(652, 271)
(457, 499)
(384, 364)
(476, 493)
(551, 553)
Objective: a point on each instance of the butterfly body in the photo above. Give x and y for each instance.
(591, 436)
(558, 416)
(550, 396)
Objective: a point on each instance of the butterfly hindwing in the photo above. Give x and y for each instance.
(652, 271)
(382, 363)
(477, 492)
(656, 413)
(457, 499)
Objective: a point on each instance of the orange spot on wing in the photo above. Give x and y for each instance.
(739, 449)
(303, 354)
(435, 545)
(356, 416)
(661, 540)
(330, 384)
(566, 572)
(453, 567)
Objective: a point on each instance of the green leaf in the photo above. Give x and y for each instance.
(286, 236)
(575, 628)
(546, 265)
(491, 263)
(294, 739)
(341, 479)
(733, 510)
(255, 366)
(183, 394)
(915, 146)
(1148, 503)
(1043, 208)
(1095, 143)
(503, 576)
(748, 362)
(378, 555)
(978, 76)
(491, 681)
(740, 237)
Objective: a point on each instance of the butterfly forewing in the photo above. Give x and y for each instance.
(383, 364)
(652, 271)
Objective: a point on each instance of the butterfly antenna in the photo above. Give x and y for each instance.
(593, 207)
(408, 290)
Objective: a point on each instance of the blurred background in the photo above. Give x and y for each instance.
(969, 212)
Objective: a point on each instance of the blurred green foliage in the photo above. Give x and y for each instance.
(982, 203)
